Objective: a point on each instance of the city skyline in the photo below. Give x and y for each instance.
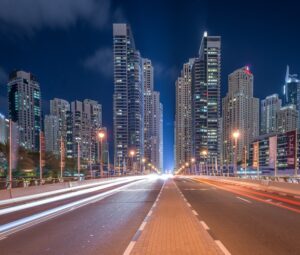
(268, 74)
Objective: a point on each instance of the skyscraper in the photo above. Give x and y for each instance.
(206, 82)
(291, 91)
(148, 107)
(52, 138)
(87, 120)
(269, 108)
(156, 137)
(161, 138)
(60, 108)
(240, 112)
(183, 115)
(24, 100)
(128, 97)
(287, 118)
(3, 129)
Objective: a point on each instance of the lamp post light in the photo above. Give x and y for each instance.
(78, 156)
(187, 165)
(193, 165)
(204, 153)
(235, 135)
(101, 135)
(132, 154)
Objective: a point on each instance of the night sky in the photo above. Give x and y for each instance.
(67, 44)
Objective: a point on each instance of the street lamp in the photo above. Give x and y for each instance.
(132, 154)
(235, 135)
(101, 135)
(193, 166)
(78, 156)
(204, 153)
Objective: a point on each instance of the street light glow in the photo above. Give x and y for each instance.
(236, 134)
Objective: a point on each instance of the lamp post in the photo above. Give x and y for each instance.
(78, 156)
(204, 154)
(101, 135)
(187, 165)
(132, 154)
(235, 135)
(193, 165)
(143, 161)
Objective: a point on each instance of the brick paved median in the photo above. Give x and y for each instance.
(173, 229)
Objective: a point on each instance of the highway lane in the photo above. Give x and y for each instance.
(244, 225)
(43, 204)
(103, 227)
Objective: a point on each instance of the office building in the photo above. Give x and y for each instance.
(287, 119)
(128, 99)
(24, 98)
(269, 108)
(240, 113)
(52, 138)
(206, 82)
(183, 115)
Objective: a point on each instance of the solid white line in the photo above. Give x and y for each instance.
(194, 212)
(245, 200)
(222, 247)
(143, 226)
(204, 225)
(189, 205)
(149, 213)
(129, 248)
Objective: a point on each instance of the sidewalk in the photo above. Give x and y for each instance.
(173, 229)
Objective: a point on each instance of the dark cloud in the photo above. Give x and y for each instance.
(32, 15)
(101, 62)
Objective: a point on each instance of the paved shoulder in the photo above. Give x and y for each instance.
(172, 228)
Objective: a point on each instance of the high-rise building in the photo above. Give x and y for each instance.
(52, 138)
(206, 82)
(287, 118)
(60, 108)
(240, 112)
(183, 115)
(156, 138)
(24, 98)
(291, 91)
(148, 107)
(161, 138)
(269, 108)
(3, 129)
(86, 120)
(128, 98)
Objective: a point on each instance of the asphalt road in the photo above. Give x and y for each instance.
(102, 227)
(245, 225)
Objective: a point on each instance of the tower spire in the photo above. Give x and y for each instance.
(287, 74)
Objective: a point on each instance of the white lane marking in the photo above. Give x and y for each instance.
(245, 200)
(194, 212)
(129, 248)
(298, 197)
(26, 222)
(55, 192)
(204, 225)
(222, 247)
(282, 194)
(143, 226)
(189, 205)
(58, 198)
(132, 243)
(269, 200)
